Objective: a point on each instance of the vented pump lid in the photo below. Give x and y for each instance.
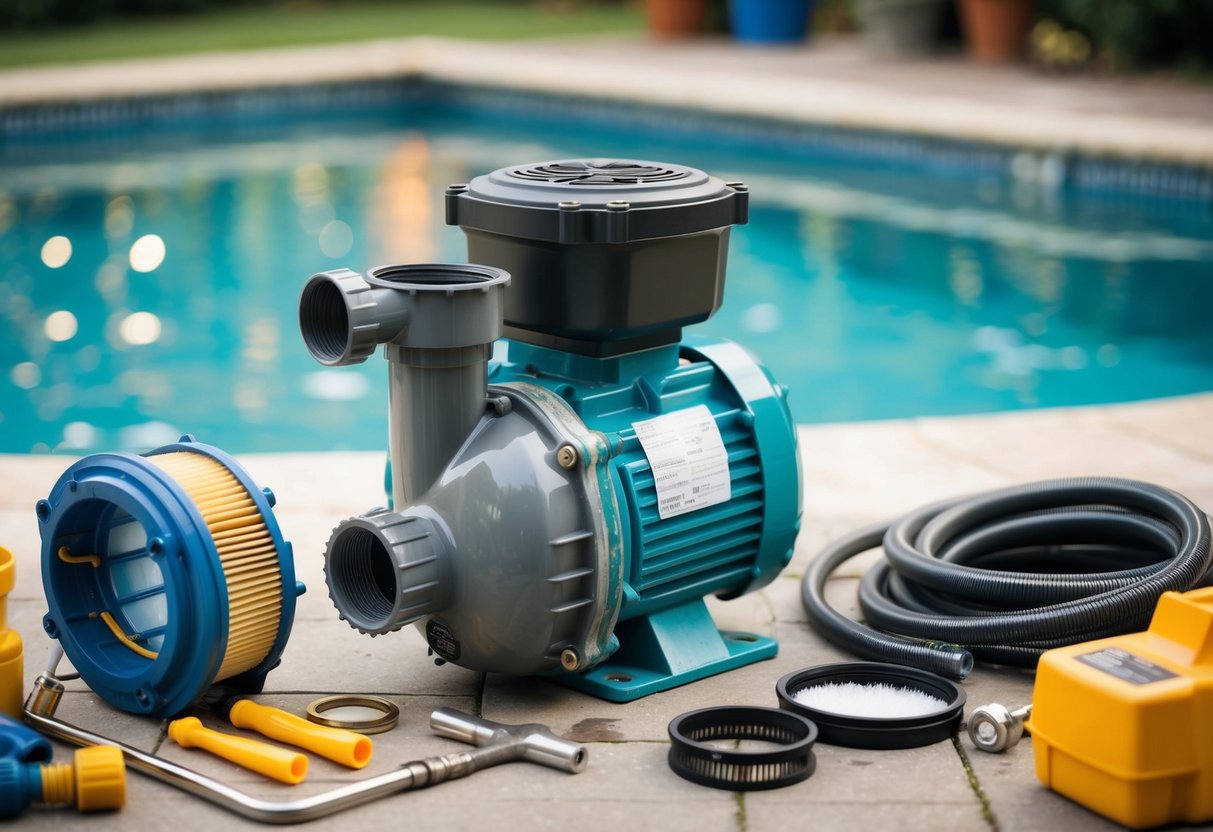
(596, 201)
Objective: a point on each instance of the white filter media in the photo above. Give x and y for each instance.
(877, 700)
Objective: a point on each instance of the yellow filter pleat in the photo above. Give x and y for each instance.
(246, 552)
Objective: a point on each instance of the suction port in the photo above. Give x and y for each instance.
(325, 321)
(385, 570)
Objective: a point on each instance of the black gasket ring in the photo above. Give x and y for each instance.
(695, 758)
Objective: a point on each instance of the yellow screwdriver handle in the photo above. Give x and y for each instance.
(337, 744)
(270, 760)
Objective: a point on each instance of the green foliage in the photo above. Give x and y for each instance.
(35, 14)
(261, 24)
(17, 14)
(1135, 34)
(25, 14)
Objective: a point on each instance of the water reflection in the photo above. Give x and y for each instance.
(965, 277)
(7, 213)
(138, 329)
(336, 386)
(61, 326)
(26, 375)
(56, 252)
(314, 216)
(336, 239)
(79, 436)
(261, 341)
(762, 318)
(119, 217)
(110, 280)
(404, 203)
(147, 253)
(870, 293)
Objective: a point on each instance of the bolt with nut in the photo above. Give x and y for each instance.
(567, 456)
(993, 728)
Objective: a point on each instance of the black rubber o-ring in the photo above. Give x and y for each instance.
(694, 758)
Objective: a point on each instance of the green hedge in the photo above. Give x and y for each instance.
(26, 14)
(1137, 34)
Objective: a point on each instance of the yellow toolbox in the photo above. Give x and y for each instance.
(1124, 725)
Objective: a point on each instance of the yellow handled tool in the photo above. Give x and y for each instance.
(270, 760)
(337, 744)
(12, 679)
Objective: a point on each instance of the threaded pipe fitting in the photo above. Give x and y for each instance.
(385, 570)
(341, 319)
(100, 778)
(59, 783)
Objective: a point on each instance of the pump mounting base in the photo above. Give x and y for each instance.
(668, 648)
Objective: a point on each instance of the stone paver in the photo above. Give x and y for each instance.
(854, 474)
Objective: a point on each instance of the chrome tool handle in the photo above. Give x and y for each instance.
(456, 725)
(505, 743)
(500, 743)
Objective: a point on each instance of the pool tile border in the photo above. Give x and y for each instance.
(33, 122)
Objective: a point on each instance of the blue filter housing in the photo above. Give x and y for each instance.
(565, 497)
(165, 573)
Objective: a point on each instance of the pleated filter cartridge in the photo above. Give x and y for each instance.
(165, 573)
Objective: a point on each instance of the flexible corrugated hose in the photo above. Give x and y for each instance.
(1005, 575)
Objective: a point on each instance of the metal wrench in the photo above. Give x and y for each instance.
(495, 744)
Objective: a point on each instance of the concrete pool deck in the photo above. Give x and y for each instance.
(831, 82)
(854, 474)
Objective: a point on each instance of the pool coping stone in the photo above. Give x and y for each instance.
(830, 82)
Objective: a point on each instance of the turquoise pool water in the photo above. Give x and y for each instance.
(149, 273)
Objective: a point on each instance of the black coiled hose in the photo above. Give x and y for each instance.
(1005, 575)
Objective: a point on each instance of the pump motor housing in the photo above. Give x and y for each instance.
(564, 508)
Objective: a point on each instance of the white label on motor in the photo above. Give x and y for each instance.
(689, 462)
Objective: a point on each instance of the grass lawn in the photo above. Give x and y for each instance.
(301, 23)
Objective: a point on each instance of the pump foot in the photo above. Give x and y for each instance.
(666, 649)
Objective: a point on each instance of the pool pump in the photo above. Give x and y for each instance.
(563, 505)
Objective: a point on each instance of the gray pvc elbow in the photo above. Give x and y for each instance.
(343, 318)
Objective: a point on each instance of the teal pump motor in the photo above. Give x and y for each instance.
(563, 505)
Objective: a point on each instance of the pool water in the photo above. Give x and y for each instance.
(149, 276)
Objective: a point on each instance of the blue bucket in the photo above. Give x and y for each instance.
(770, 21)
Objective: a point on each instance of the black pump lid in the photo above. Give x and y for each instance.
(596, 201)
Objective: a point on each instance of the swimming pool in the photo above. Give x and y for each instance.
(149, 271)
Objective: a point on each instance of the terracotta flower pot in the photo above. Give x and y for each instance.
(676, 18)
(996, 30)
